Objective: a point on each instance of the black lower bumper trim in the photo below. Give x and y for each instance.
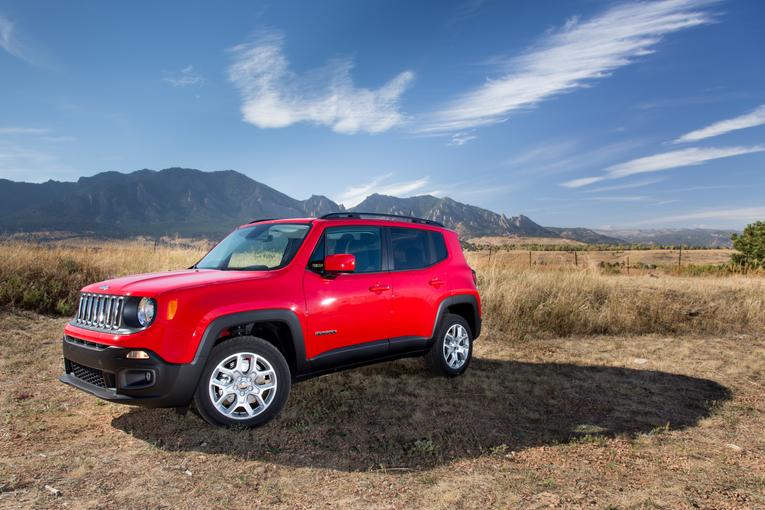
(145, 382)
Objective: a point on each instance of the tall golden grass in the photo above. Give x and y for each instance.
(46, 278)
(517, 300)
(564, 302)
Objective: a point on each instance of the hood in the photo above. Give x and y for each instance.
(151, 284)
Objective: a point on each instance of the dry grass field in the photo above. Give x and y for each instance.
(640, 261)
(588, 390)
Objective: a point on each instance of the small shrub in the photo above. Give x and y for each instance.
(424, 447)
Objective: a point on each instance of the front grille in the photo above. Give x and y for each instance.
(91, 375)
(85, 343)
(100, 311)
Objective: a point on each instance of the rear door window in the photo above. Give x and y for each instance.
(415, 248)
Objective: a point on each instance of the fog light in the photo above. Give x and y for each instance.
(137, 355)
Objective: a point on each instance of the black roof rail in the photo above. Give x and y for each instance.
(258, 220)
(360, 215)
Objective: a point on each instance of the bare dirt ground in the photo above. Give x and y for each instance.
(595, 422)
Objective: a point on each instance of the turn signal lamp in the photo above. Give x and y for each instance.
(172, 307)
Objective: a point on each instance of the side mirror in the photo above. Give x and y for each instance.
(340, 263)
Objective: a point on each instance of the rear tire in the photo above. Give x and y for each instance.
(452, 348)
(245, 383)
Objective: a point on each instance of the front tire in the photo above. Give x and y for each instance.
(452, 349)
(246, 382)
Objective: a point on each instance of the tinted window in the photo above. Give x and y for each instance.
(439, 246)
(411, 248)
(414, 248)
(361, 242)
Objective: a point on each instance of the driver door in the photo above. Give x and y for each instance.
(348, 314)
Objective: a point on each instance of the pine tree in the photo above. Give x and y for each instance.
(750, 245)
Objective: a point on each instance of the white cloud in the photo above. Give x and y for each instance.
(631, 185)
(751, 119)
(23, 131)
(584, 181)
(10, 42)
(743, 214)
(462, 138)
(676, 159)
(570, 58)
(354, 195)
(275, 97)
(184, 78)
(665, 161)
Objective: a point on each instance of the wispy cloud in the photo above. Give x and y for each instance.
(465, 11)
(8, 40)
(23, 131)
(275, 97)
(707, 188)
(568, 156)
(743, 214)
(59, 139)
(23, 164)
(184, 78)
(665, 161)
(462, 138)
(353, 195)
(619, 199)
(583, 181)
(630, 185)
(751, 119)
(570, 58)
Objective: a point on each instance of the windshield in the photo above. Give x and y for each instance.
(257, 248)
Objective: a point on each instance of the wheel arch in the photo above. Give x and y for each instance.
(464, 305)
(282, 328)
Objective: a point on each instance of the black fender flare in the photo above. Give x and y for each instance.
(457, 300)
(288, 317)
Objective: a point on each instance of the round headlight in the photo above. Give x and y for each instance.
(146, 310)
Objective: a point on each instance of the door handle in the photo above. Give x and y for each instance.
(379, 287)
(436, 282)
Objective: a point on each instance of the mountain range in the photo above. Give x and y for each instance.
(194, 203)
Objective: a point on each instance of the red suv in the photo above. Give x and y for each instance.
(275, 302)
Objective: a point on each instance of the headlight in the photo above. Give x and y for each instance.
(146, 310)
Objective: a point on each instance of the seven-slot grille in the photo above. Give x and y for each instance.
(100, 311)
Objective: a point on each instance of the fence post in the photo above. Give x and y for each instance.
(680, 257)
(576, 259)
(628, 265)
(529, 258)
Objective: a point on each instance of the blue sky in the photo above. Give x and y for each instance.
(575, 113)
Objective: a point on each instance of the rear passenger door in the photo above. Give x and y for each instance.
(419, 279)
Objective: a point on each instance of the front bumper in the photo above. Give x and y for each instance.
(104, 371)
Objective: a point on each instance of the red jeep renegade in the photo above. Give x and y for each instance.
(277, 301)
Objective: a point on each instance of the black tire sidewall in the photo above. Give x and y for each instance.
(255, 345)
(437, 351)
